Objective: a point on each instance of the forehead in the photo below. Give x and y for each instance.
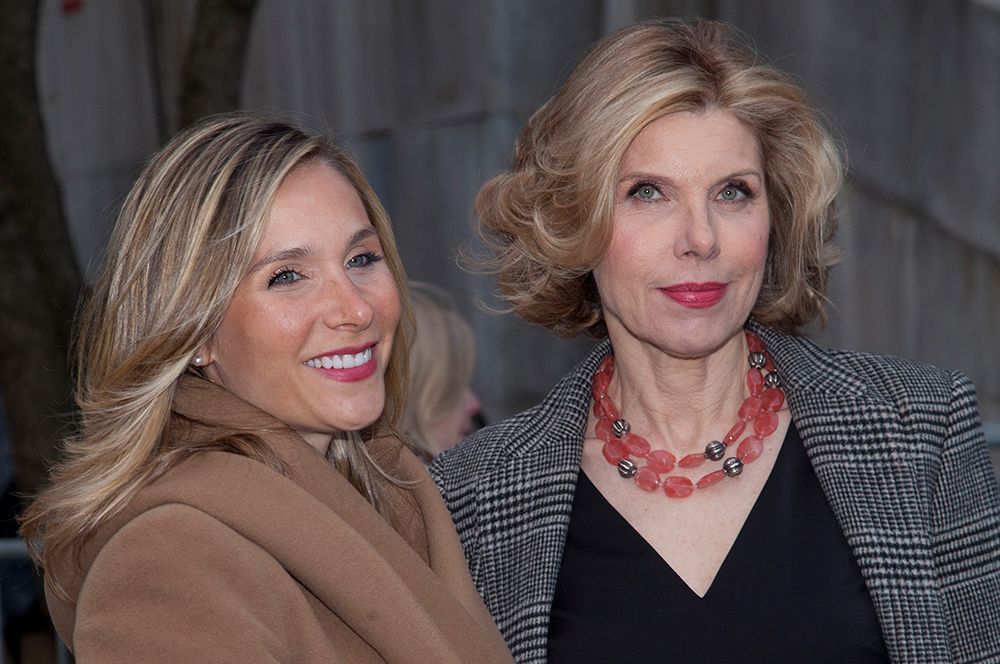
(314, 204)
(693, 142)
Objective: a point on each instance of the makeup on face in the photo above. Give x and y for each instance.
(685, 262)
(696, 295)
(308, 335)
(345, 364)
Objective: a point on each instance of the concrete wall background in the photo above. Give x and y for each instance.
(430, 93)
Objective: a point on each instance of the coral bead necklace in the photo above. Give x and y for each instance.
(622, 448)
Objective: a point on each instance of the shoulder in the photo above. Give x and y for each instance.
(201, 551)
(210, 494)
(805, 365)
(173, 569)
(178, 537)
(898, 378)
(194, 505)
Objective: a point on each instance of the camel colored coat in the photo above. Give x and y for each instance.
(224, 560)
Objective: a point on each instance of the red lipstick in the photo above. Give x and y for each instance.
(696, 295)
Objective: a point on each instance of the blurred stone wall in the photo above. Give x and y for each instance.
(914, 89)
(430, 93)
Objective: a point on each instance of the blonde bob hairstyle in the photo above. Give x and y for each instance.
(442, 358)
(548, 218)
(183, 241)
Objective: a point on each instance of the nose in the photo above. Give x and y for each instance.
(346, 305)
(697, 236)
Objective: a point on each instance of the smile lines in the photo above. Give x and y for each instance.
(348, 361)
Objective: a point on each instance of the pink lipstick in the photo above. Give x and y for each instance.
(346, 364)
(696, 295)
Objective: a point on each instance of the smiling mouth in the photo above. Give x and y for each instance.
(346, 361)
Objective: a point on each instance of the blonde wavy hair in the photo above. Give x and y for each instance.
(184, 239)
(548, 218)
(442, 358)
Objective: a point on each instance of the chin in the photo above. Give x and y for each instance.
(356, 411)
(359, 420)
(692, 344)
(713, 330)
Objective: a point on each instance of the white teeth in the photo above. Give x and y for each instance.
(341, 361)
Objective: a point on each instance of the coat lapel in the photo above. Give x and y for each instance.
(857, 443)
(526, 518)
(332, 541)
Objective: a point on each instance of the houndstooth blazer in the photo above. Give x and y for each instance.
(897, 446)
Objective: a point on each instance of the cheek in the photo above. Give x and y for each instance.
(233, 333)
(385, 300)
(626, 244)
(250, 330)
(262, 326)
(761, 249)
(748, 246)
(622, 251)
(283, 321)
(756, 252)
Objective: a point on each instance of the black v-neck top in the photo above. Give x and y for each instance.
(789, 590)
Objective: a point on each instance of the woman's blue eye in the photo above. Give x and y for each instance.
(363, 260)
(644, 192)
(734, 192)
(283, 277)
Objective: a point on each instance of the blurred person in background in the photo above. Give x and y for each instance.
(441, 407)
(707, 485)
(234, 492)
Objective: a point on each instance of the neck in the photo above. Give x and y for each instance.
(317, 440)
(679, 403)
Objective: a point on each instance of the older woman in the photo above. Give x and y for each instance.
(705, 485)
(234, 493)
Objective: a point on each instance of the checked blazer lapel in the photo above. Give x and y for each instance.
(511, 497)
(857, 443)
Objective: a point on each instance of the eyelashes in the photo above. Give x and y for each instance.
(735, 190)
(287, 275)
(645, 191)
(283, 276)
(364, 259)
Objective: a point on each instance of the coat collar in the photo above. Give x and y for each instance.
(805, 367)
(322, 532)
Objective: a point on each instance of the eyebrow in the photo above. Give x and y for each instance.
(363, 234)
(642, 175)
(277, 256)
(293, 253)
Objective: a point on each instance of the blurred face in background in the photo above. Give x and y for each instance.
(457, 423)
